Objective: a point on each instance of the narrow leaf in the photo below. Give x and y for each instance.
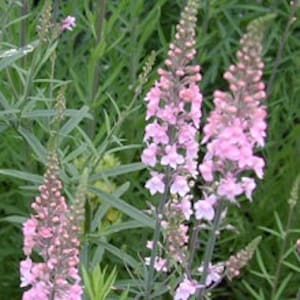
(124, 207)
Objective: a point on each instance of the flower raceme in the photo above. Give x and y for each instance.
(53, 233)
(235, 128)
(237, 124)
(173, 113)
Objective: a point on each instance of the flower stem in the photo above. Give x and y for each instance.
(157, 231)
(95, 83)
(210, 246)
(282, 251)
(282, 44)
(193, 247)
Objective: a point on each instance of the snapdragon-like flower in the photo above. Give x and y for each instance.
(237, 125)
(53, 233)
(68, 23)
(214, 273)
(186, 289)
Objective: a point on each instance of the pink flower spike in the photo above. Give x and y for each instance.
(68, 23)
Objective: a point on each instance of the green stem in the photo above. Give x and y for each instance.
(210, 246)
(206, 17)
(193, 247)
(282, 43)
(282, 251)
(23, 29)
(156, 235)
(101, 18)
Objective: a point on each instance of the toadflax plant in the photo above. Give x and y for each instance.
(52, 232)
(234, 129)
(173, 112)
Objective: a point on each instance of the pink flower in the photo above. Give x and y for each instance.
(214, 273)
(149, 244)
(179, 186)
(160, 264)
(39, 291)
(157, 132)
(204, 209)
(249, 185)
(25, 271)
(149, 155)
(153, 99)
(185, 207)
(172, 158)
(68, 23)
(168, 114)
(229, 188)
(258, 166)
(155, 183)
(186, 289)
(75, 292)
(206, 169)
(186, 133)
(29, 232)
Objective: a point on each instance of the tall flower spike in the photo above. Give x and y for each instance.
(173, 111)
(234, 129)
(53, 235)
(237, 125)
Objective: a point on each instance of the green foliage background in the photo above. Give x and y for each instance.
(102, 73)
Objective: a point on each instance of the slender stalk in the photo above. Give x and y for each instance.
(101, 18)
(210, 246)
(24, 11)
(193, 247)
(206, 17)
(282, 43)
(282, 251)
(157, 232)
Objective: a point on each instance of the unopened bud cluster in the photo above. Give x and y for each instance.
(238, 261)
(44, 23)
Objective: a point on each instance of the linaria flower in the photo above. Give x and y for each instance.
(68, 23)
